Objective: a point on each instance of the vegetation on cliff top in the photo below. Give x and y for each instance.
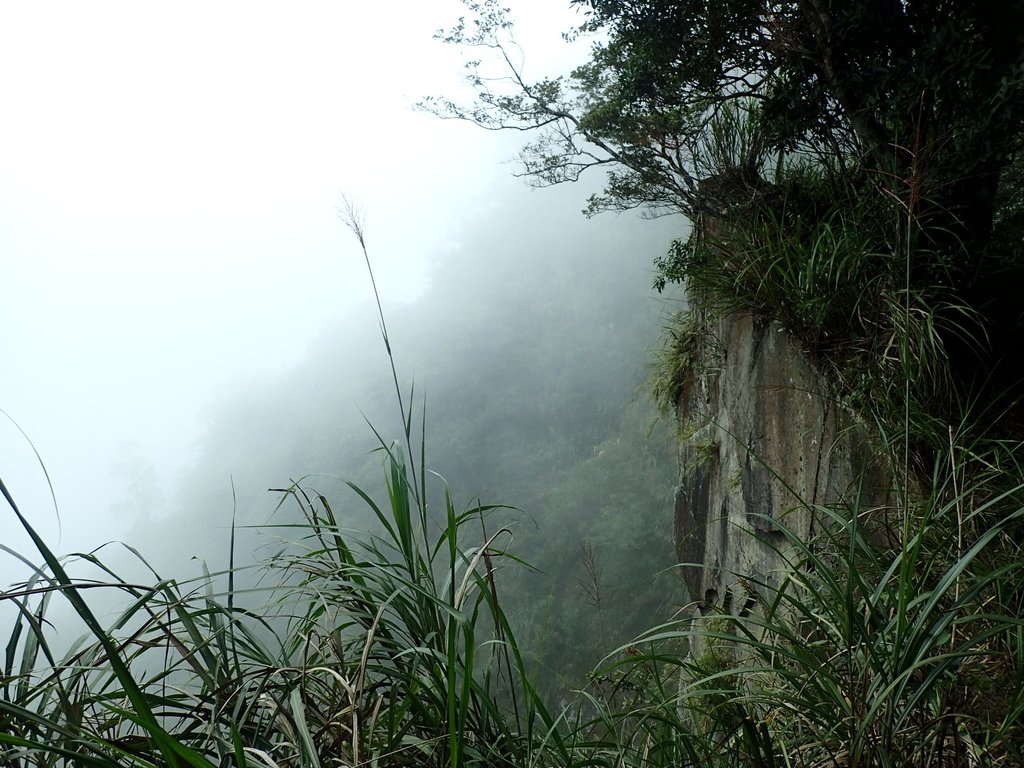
(864, 159)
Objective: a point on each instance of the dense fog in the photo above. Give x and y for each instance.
(190, 324)
(167, 214)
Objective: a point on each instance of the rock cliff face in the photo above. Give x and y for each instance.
(762, 443)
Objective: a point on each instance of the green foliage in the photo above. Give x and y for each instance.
(876, 647)
(371, 648)
(549, 400)
(919, 91)
(684, 338)
(829, 274)
(602, 550)
(352, 646)
(867, 651)
(411, 621)
(822, 151)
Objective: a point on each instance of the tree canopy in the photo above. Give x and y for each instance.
(901, 119)
(926, 92)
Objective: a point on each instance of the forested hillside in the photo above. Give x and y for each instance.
(529, 356)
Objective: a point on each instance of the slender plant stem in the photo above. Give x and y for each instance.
(354, 219)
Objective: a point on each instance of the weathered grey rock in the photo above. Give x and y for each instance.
(762, 443)
(764, 447)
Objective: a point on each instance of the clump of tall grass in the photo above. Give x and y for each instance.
(865, 653)
(389, 648)
(686, 337)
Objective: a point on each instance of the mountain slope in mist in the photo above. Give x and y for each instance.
(528, 356)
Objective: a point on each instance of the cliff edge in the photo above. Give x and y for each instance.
(763, 445)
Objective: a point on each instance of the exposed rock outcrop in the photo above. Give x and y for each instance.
(762, 443)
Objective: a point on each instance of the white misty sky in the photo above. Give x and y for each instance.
(169, 175)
